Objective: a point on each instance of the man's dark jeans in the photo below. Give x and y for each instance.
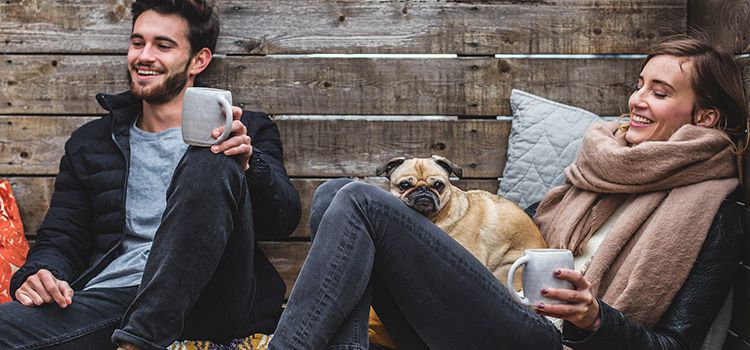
(198, 282)
(429, 291)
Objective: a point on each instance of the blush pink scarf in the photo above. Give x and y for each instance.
(675, 189)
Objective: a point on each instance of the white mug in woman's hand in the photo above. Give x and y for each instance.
(538, 272)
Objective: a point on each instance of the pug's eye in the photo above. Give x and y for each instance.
(404, 185)
(438, 185)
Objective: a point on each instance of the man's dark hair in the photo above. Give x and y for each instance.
(203, 22)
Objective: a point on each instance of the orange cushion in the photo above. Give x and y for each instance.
(377, 333)
(13, 244)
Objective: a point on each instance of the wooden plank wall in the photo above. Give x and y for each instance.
(293, 59)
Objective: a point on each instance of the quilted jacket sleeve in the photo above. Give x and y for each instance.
(65, 239)
(688, 318)
(276, 204)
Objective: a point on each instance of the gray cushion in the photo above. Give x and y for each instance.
(544, 139)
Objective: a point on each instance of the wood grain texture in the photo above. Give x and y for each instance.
(287, 258)
(313, 148)
(357, 148)
(362, 26)
(724, 22)
(33, 196)
(34, 145)
(62, 84)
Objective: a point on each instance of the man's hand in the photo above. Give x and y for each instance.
(43, 288)
(238, 144)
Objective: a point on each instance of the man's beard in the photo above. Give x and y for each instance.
(163, 92)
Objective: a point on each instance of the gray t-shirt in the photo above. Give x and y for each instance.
(153, 158)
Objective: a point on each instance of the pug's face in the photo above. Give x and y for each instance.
(422, 183)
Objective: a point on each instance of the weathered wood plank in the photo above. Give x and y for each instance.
(356, 148)
(724, 22)
(57, 84)
(34, 145)
(314, 148)
(362, 26)
(287, 258)
(33, 195)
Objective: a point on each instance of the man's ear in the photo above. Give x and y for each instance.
(200, 61)
(707, 117)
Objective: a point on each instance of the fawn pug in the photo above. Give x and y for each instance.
(495, 230)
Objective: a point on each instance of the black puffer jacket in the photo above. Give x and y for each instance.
(85, 223)
(686, 322)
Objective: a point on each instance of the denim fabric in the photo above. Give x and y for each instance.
(198, 281)
(429, 291)
(87, 323)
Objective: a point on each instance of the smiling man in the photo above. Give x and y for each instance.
(148, 240)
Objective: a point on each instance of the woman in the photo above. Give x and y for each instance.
(649, 199)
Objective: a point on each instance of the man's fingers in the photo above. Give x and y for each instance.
(41, 288)
(236, 112)
(35, 284)
(233, 143)
(32, 295)
(23, 298)
(66, 291)
(236, 129)
(53, 289)
(241, 149)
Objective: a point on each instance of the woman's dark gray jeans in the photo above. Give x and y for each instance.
(429, 291)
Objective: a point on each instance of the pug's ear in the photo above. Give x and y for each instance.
(448, 165)
(388, 167)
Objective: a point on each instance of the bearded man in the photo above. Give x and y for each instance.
(148, 240)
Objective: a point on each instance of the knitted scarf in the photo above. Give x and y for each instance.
(674, 189)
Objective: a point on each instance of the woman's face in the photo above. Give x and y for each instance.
(663, 101)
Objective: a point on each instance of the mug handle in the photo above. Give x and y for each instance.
(522, 260)
(228, 114)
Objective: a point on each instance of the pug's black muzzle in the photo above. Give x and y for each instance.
(422, 200)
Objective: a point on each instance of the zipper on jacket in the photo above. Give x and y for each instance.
(124, 218)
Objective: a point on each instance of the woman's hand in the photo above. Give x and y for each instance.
(582, 308)
(238, 144)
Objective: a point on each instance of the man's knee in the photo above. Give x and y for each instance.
(202, 161)
(200, 169)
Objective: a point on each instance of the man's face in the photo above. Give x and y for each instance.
(158, 57)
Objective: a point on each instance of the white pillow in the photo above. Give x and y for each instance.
(544, 139)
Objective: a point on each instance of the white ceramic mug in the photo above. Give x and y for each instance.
(538, 272)
(203, 110)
